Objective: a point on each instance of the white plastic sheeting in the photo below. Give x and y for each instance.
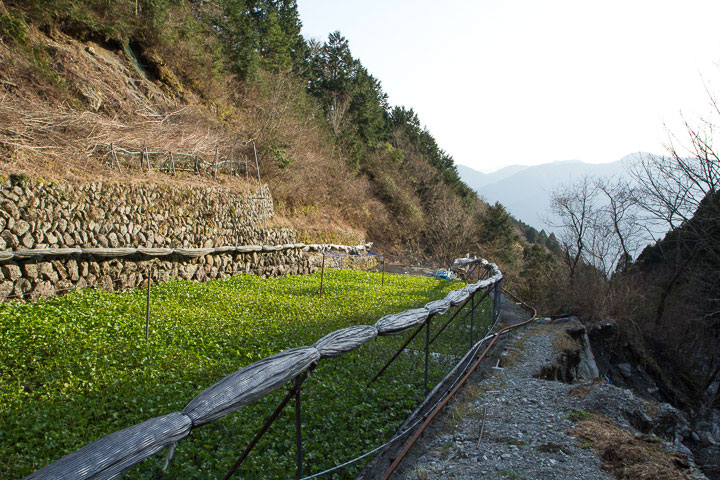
(40, 253)
(248, 384)
(345, 340)
(110, 456)
(398, 322)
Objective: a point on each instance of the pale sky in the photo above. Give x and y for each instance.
(528, 82)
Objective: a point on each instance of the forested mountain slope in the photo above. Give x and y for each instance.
(213, 78)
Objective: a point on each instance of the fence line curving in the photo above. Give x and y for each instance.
(110, 456)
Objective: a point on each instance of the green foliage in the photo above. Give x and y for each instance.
(261, 34)
(497, 230)
(13, 30)
(281, 156)
(353, 100)
(77, 367)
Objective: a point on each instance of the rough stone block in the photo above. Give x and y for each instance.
(42, 290)
(22, 287)
(73, 272)
(27, 240)
(47, 272)
(20, 228)
(30, 270)
(11, 240)
(6, 288)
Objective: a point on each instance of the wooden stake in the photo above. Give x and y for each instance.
(482, 426)
(215, 162)
(117, 160)
(172, 163)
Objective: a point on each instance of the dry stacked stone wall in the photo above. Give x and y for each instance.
(37, 215)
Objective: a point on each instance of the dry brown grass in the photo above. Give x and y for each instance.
(60, 111)
(627, 455)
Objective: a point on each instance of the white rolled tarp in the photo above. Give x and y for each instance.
(110, 456)
(42, 252)
(192, 252)
(155, 252)
(345, 340)
(438, 307)
(397, 322)
(248, 384)
(39, 253)
(249, 248)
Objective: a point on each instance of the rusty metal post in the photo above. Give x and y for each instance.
(322, 274)
(397, 354)
(147, 157)
(147, 306)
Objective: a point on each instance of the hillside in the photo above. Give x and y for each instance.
(184, 77)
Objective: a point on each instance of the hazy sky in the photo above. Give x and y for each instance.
(505, 82)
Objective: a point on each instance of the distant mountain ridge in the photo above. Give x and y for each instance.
(525, 189)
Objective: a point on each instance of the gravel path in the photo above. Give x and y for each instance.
(526, 432)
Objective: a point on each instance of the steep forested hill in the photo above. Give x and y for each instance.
(207, 77)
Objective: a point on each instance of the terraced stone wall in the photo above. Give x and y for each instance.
(37, 215)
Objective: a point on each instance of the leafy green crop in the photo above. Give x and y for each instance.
(77, 367)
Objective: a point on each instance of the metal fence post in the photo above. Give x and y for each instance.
(383, 272)
(494, 303)
(499, 295)
(147, 306)
(427, 351)
(322, 274)
(298, 426)
(472, 320)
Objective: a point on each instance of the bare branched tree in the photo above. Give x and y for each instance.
(574, 205)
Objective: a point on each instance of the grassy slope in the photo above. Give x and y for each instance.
(75, 368)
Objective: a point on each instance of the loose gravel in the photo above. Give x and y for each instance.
(527, 421)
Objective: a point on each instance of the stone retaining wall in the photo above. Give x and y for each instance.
(36, 215)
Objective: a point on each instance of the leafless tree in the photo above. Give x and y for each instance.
(574, 206)
(620, 215)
